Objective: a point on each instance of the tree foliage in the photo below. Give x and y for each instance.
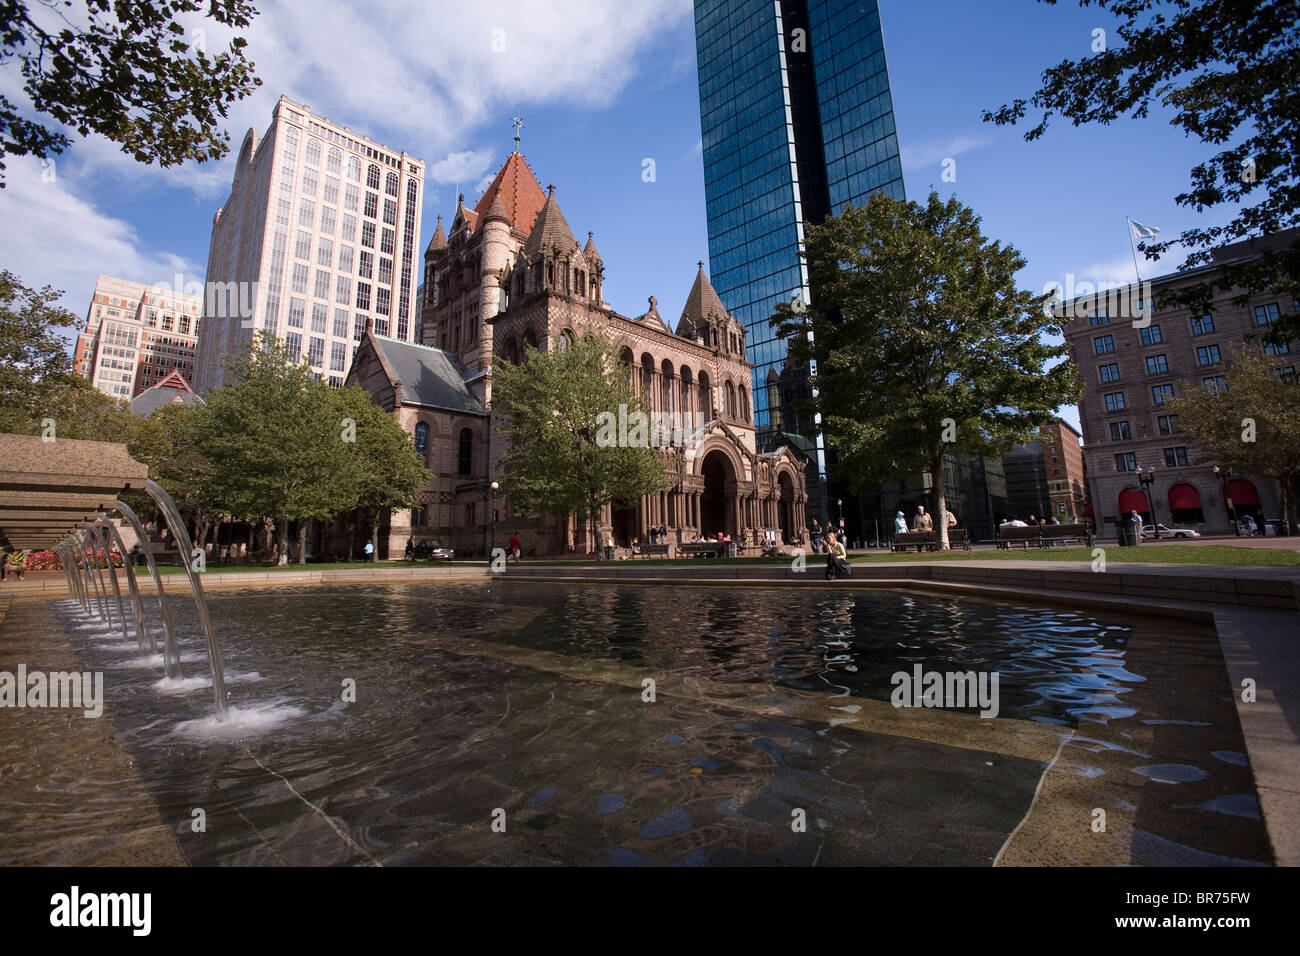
(1229, 73)
(129, 70)
(550, 407)
(1252, 427)
(923, 345)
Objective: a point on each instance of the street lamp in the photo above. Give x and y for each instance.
(492, 515)
(1146, 479)
(839, 504)
(1225, 475)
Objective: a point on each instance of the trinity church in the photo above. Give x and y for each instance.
(509, 274)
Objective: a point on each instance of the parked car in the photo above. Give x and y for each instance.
(1149, 531)
(428, 550)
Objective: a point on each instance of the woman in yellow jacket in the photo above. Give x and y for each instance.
(837, 559)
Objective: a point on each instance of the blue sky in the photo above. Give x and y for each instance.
(603, 86)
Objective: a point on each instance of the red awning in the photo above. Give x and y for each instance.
(1242, 492)
(1087, 512)
(1132, 501)
(1183, 498)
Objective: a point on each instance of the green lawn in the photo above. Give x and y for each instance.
(218, 568)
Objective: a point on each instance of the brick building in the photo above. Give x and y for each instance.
(1045, 477)
(510, 274)
(1131, 364)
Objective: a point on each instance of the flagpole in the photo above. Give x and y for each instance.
(1133, 245)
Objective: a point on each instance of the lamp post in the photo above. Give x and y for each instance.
(493, 488)
(1146, 479)
(1225, 475)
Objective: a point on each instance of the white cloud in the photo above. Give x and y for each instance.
(462, 166)
(56, 237)
(934, 152)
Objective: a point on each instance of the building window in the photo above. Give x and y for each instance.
(1115, 401)
(309, 181)
(296, 311)
(339, 354)
(390, 212)
(313, 153)
(306, 213)
(1161, 394)
(1109, 373)
(1207, 355)
(1103, 344)
(343, 291)
(363, 296)
(368, 235)
(1215, 384)
(382, 299)
(1120, 431)
(322, 288)
(325, 253)
(299, 279)
(348, 232)
(385, 271)
(345, 259)
(422, 440)
(302, 248)
(1174, 457)
(1151, 335)
(372, 177)
(327, 220)
(1157, 364)
(1265, 314)
(366, 268)
(354, 169)
(1126, 461)
(466, 457)
(386, 241)
(334, 159)
(1202, 324)
(1168, 424)
(293, 343)
(351, 198)
(319, 316)
(1100, 318)
(371, 209)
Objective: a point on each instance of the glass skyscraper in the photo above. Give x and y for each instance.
(796, 121)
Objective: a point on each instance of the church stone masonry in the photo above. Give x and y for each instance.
(510, 274)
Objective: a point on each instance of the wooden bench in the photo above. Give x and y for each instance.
(706, 549)
(958, 538)
(1006, 536)
(924, 540)
(651, 550)
(1067, 532)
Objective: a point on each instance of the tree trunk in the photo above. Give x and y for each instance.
(282, 537)
(374, 535)
(352, 534)
(593, 519)
(940, 503)
(302, 540)
(267, 527)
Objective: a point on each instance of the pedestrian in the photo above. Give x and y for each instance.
(17, 563)
(900, 523)
(815, 537)
(922, 521)
(409, 554)
(663, 534)
(1248, 525)
(837, 559)
(370, 551)
(516, 546)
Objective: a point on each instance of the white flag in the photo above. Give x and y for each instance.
(1143, 232)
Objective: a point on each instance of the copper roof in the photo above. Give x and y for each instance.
(519, 192)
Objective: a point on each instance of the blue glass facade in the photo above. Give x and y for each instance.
(796, 121)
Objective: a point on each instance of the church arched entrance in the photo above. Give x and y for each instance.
(715, 502)
(785, 509)
(624, 526)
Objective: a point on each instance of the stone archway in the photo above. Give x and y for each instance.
(785, 507)
(717, 501)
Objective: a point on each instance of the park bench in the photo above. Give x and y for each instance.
(651, 550)
(707, 549)
(958, 538)
(1067, 532)
(923, 540)
(1006, 536)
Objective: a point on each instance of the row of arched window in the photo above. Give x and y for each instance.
(689, 394)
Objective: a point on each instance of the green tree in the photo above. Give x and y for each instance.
(130, 73)
(1228, 72)
(552, 407)
(36, 377)
(274, 433)
(923, 344)
(174, 443)
(381, 468)
(1253, 427)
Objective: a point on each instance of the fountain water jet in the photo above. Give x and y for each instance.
(177, 525)
(171, 654)
(101, 538)
(144, 637)
(86, 552)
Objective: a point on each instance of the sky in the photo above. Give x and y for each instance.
(603, 86)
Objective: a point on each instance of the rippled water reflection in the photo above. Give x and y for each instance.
(527, 698)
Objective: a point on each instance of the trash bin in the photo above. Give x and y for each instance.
(731, 549)
(609, 554)
(1129, 534)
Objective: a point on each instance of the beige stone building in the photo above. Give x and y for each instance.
(135, 335)
(510, 274)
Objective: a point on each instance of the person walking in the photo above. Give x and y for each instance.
(815, 537)
(370, 551)
(922, 521)
(516, 546)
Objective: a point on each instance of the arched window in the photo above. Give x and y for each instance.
(666, 386)
(334, 160)
(422, 441)
(354, 168)
(564, 340)
(390, 184)
(730, 398)
(774, 400)
(744, 403)
(685, 404)
(647, 380)
(372, 177)
(313, 152)
(466, 456)
(625, 359)
(706, 397)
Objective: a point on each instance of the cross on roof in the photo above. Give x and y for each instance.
(518, 121)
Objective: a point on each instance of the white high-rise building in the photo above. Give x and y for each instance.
(320, 233)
